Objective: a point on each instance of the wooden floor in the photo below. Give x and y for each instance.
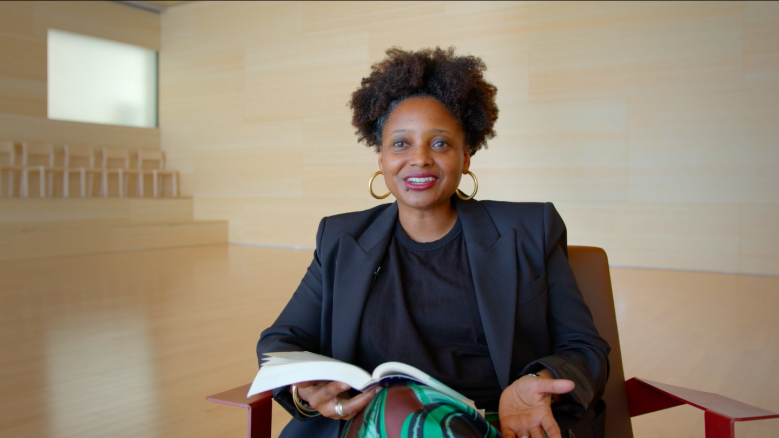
(129, 344)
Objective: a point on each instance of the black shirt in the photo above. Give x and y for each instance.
(422, 310)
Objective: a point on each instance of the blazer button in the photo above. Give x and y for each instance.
(571, 434)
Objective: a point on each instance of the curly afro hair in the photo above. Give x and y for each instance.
(455, 81)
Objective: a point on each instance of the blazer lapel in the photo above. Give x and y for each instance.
(493, 260)
(354, 274)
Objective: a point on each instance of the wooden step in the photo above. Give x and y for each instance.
(47, 239)
(31, 210)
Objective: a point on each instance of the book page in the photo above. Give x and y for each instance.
(287, 368)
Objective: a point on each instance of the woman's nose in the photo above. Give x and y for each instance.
(420, 156)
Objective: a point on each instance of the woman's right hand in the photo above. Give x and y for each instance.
(323, 395)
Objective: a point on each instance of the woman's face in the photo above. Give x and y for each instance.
(423, 150)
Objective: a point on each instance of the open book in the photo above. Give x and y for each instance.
(282, 369)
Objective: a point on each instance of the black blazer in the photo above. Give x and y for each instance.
(533, 313)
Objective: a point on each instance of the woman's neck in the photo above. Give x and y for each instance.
(427, 225)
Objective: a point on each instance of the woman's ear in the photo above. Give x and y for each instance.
(380, 166)
(466, 161)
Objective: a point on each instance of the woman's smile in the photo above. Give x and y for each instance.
(422, 181)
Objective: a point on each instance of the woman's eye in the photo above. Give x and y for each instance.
(439, 143)
(398, 144)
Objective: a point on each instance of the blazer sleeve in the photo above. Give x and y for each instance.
(298, 326)
(579, 354)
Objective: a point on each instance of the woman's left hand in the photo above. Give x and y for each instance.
(526, 406)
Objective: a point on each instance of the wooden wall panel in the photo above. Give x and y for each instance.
(23, 35)
(24, 211)
(659, 235)
(204, 88)
(759, 235)
(179, 155)
(23, 73)
(34, 241)
(586, 50)
(100, 19)
(761, 45)
(42, 130)
(651, 125)
(274, 221)
(311, 76)
(717, 147)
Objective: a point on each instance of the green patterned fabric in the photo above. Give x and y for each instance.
(411, 410)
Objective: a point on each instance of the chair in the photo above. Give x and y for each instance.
(84, 153)
(624, 399)
(45, 151)
(8, 148)
(157, 172)
(122, 171)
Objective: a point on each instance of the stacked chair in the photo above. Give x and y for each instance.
(157, 171)
(9, 166)
(122, 171)
(38, 160)
(83, 153)
(46, 153)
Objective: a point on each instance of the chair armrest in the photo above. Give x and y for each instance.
(720, 412)
(258, 406)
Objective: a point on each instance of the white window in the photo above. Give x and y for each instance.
(100, 81)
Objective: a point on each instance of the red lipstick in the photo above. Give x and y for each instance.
(420, 181)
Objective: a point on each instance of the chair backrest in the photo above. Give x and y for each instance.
(7, 148)
(37, 150)
(116, 154)
(84, 152)
(591, 269)
(157, 157)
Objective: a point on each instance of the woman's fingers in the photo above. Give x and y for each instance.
(355, 405)
(550, 426)
(320, 397)
(531, 424)
(313, 383)
(515, 426)
(324, 396)
(554, 386)
(537, 432)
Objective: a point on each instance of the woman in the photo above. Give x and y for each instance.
(479, 295)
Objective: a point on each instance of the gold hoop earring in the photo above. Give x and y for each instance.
(370, 186)
(462, 195)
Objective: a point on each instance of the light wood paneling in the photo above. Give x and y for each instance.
(291, 219)
(652, 116)
(22, 74)
(594, 50)
(312, 76)
(14, 211)
(50, 239)
(712, 148)
(100, 19)
(42, 130)
(761, 45)
(166, 328)
(179, 155)
(23, 36)
(664, 235)
(759, 235)
(168, 4)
